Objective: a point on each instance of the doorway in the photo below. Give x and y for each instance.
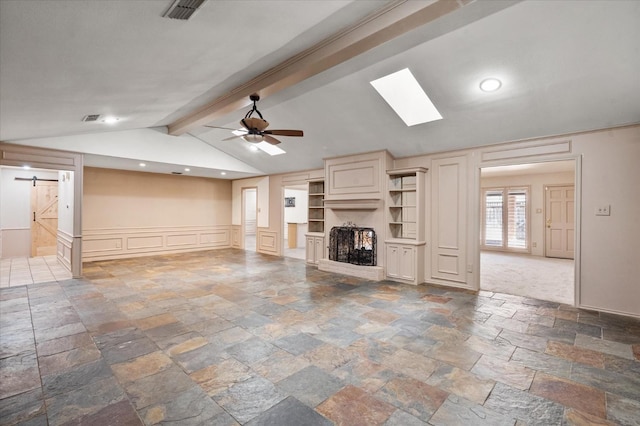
(44, 225)
(295, 227)
(515, 230)
(32, 234)
(249, 217)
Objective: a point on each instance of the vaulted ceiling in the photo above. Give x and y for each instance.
(565, 66)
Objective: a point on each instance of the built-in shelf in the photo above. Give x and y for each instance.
(316, 206)
(403, 206)
(405, 244)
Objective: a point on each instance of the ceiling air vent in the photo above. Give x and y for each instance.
(91, 117)
(183, 9)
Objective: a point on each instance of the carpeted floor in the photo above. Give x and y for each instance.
(530, 276)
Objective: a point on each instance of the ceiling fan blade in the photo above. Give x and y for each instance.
(216, 127)
(284, 132)
(271, 140)
(233, 137)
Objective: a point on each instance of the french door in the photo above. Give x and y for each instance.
(506, 219)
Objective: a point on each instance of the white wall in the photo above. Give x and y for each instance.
(262, 184)
(65, 202)
(297, 214)
(15, 209)
(610, 267)
(536, 183)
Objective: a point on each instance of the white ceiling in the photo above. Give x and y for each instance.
(566, 66)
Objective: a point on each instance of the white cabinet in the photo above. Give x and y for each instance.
(403, 262)
(314, 248)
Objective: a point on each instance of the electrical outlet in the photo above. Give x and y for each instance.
(603, 210)
(534, 244)
(469, 268)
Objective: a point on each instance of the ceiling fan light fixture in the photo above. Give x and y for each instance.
(253, 138)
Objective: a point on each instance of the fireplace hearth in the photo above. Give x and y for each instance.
(354, 245)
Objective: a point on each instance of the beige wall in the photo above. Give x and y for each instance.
(131, 213)
(607, 255)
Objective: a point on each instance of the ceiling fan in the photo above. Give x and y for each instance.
(255, 129)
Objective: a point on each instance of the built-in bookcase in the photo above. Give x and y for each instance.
(316, 206)
(405, 243)
(405, 205)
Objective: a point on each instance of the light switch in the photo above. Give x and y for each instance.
(603, 210)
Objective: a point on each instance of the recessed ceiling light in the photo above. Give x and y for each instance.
(404, 94)
(26, 167)
(187, 169)
(110, 120)
(270, 149)
(490, 84)
(223, 173)
(253, 148)
(143, 165)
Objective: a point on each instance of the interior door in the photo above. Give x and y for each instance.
(559, 221)
(44, 222)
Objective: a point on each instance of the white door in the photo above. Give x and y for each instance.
(559, 221)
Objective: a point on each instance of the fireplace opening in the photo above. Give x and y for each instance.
(350, 244)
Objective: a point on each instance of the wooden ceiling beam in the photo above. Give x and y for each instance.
(397, 18)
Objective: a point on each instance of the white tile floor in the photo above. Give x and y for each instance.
(31, 270)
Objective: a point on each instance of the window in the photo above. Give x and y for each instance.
(506, 219)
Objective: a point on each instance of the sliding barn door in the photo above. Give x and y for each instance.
(44, 220)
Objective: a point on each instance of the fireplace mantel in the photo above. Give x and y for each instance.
(359, 204)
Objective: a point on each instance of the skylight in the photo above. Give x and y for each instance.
(270, 149)
(404, 94)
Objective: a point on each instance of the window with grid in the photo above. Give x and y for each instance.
(505, 219)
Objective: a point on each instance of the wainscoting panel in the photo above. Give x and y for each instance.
(64, 249)
(136, 243)
(236, 236)
(99, 244)
(215, 239)
(182, 240)
(267, 241)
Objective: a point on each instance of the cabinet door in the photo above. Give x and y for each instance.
(311, 250)
(393, 266)
(319, 249)
(407, 263)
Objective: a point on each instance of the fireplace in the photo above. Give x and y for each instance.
(354, 245)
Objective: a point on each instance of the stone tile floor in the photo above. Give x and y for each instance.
(230, 337)
(29, 270)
